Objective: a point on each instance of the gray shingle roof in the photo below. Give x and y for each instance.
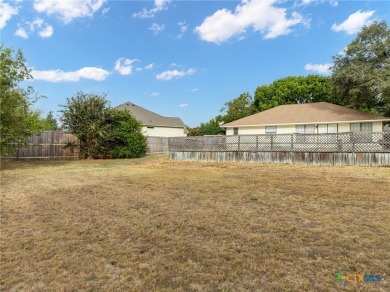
(317, 112)
(149, 118)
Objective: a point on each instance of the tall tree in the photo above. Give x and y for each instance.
(17, 118)
(238, 108)
(293, 89)
(361, 76)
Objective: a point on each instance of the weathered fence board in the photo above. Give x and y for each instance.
(289, 157)
(336, 142)
(157, 144)
(365, 149)
(49, 145)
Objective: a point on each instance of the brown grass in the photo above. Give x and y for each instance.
(156, 225)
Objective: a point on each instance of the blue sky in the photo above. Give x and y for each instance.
(177, 58)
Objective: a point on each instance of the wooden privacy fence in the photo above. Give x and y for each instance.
(337, 142)
(157, 144)
(365, 149)
(49, 145)
(62, 145)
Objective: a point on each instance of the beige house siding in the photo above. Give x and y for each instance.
(289, 129)
(163, 131)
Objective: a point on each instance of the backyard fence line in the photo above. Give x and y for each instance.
(351, 142)
(62, 145)
(157, 144)
(48, 145)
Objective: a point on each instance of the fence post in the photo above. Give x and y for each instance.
(239, 142)
(257, 142)
(17, 152)
(272, 142)
(292, 142)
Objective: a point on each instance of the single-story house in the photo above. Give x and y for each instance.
(155, 125)
(318, 117)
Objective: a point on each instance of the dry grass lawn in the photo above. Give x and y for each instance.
(156, 225)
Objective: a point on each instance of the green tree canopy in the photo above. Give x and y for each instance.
(17, 118)
(84, 116)
(50, 123)
(103, 132)
(238, 108)
(124, 138)
(361, 76)
(293, 89)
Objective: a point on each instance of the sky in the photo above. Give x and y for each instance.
(177, 58)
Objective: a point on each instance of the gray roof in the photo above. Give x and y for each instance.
(149, 118)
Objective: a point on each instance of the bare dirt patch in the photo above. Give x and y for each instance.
(153, 224)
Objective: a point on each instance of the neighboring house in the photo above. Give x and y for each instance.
(319, 117)
(155, 125)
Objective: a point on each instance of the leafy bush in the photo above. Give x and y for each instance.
(124, 139)
(103, 132)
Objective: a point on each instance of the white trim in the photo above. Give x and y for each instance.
(308, 123)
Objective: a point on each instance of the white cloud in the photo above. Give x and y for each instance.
(124, 66)
(155, 94)
(46, 32)
(150, 66)
(43, 29)
(21, 32)
(318, 68)
(175, 65)
(92, 73)
(183, 105)
(105, 10)
(183, 28)
(194, 89)
(157, 28)
(67, 11)
(354, 22)
(138, 69)
(333, 3)
(159, 5)
(6, 13)
(260, 15)
(174, 74)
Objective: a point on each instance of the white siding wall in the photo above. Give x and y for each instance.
(163, 132)
(289, 129)
(377, 127)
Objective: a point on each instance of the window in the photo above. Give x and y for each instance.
(270, 129)
(235, 131)
(361, 127)
(305, 129)
(327, 128)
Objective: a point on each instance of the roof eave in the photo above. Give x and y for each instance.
(305, 123)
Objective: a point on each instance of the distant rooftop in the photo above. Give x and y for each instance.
(313, 113)
(149, 118)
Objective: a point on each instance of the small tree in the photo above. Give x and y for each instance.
(17, 118)
(103, 132)
(212, 127)
(84, 115)
(50, 123)
(124, 138)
